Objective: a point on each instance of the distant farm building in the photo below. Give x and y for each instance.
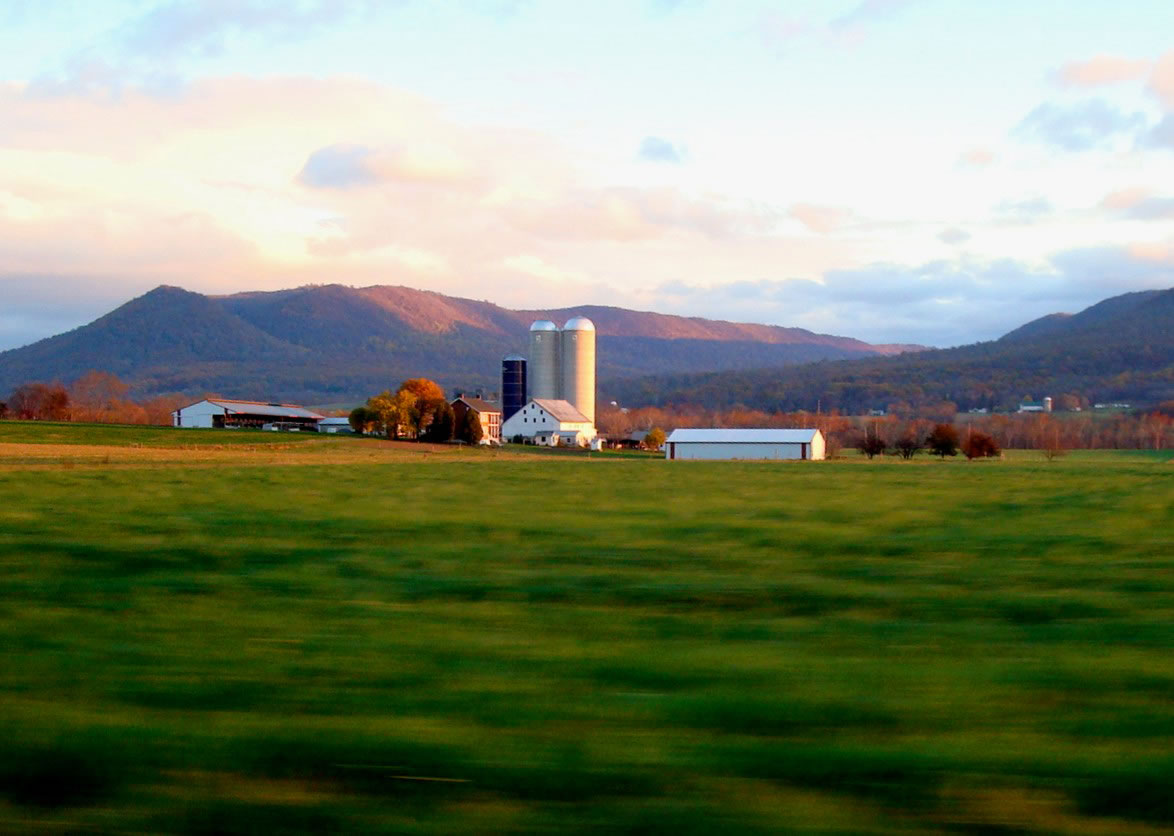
(744, 444)
(489, 414)
(542, 416)
(1036, 406)
(228, 414)
(335, 425)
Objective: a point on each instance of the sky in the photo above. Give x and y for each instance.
(913, 171)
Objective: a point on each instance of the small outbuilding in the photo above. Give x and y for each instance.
(221, 413)
(718, 444)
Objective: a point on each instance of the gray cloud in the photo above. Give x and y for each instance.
(953, 235)
(1024, 211)
(656, 150)
(1160, 135)
(339, 167)
(1093, 123)
(944, 302)
(38, 305)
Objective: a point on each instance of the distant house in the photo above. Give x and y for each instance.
(543, 415)
(744, 444)
(488, 413)
(222, 413)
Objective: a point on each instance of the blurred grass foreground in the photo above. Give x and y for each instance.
(353, 636)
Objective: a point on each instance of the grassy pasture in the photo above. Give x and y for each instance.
(338, 635)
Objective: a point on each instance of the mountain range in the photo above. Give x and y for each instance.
(1118, 350)
(331, 343)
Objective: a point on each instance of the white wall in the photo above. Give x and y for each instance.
(724, 450)
(533, 419)
(198, 415)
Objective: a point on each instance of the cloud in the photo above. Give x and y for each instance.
(942, 302)
(953, 235)
(1101, 70)
(1161, 81)
(822, 220)
(339, 167)
(976, 158)
(868, 12)
(1080, 127)
(1024, 210)
(348, 166)
(203, 27)
(1139, 204)
(657, 150)
(1160, 135)
(776, 31)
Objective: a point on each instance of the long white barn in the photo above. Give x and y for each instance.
(744, 444)
(222, 412)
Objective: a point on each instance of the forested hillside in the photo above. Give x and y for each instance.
(1121, 349)
(323, 344)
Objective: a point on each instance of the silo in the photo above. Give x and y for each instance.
(543, 370)
(578, 369)
(513, 384)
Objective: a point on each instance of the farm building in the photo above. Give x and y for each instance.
(488, 413)
(335, 425)
(544, 415)
(744, 444)
(221, 413)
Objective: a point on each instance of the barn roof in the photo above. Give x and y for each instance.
(755, 436)
(562, 410)
(275, 410)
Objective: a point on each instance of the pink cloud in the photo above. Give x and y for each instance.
(1103, 69)
(976, 158)
(821, 220)
(1125, 198)
(1161, 81)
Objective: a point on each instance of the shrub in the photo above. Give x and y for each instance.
(980, 446)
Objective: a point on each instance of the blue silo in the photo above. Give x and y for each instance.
(513, 384)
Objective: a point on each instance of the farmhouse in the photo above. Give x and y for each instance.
(744, 444)
(222, 413)
(489, 414)
(543, 415)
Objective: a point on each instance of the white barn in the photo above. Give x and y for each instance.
(744, 444)
(224, 413)
(543, 416)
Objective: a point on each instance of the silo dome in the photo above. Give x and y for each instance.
(578, 323)
(543, 325)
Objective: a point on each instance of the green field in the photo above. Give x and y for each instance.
(354, 638)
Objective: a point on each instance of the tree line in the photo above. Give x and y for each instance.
(95, 397)
(1148, 429)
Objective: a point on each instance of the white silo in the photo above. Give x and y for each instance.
(578, 379)
(543, 371)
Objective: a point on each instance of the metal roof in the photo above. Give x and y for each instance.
(276, 410)
(756, 436)
(579, 323)
(562, 411)
(543, 325)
